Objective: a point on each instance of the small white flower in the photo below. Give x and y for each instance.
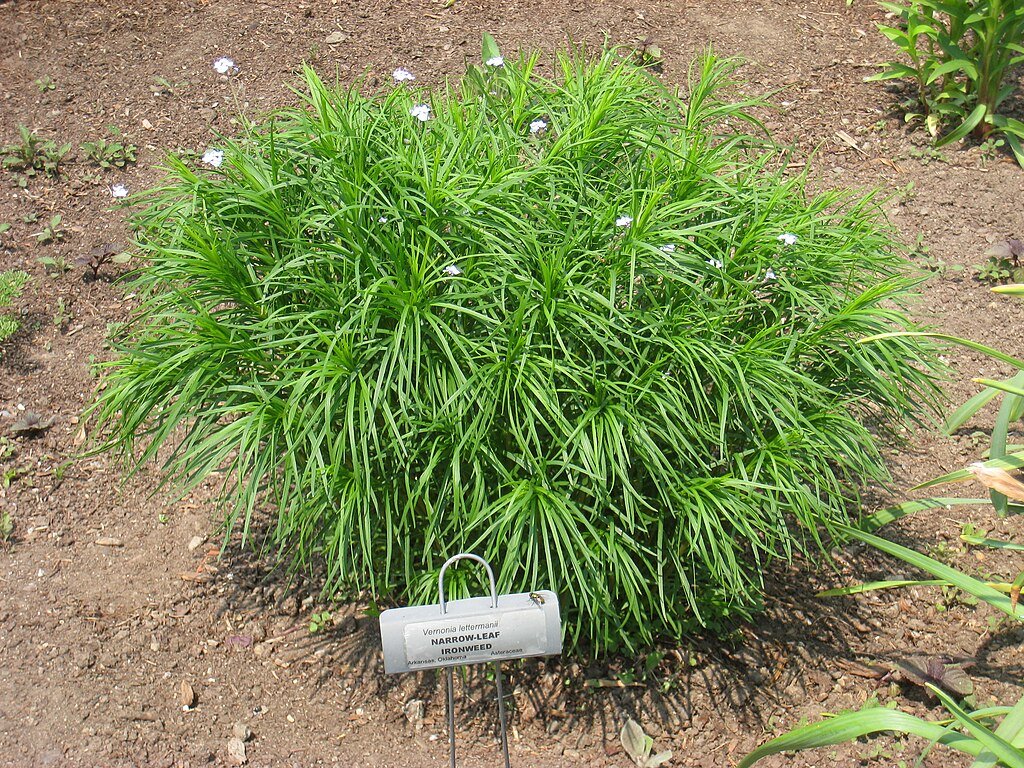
(769, 275)
(495, 61)
(119, 191)
(213, 157)
(716, 263)
(452, 270)
(403, 75)
(623, 221)
(224, 65)
(670, 248)
(787, 239)
(382, 220)
(421, 112)
(537, 126)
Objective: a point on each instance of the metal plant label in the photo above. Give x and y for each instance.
(471, 631)
(477, 630)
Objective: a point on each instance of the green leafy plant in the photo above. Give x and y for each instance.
(961, 56)
(6, 527)
(116, 153)
(579, 326)
(32, 155)
(45, 83)
(53, 231)
(55, 266)
(12, 282)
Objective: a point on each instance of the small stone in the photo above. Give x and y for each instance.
(289, 606)
(195, 543)
(186, 695)
(241, 731)
(236, 751)
(336, 37)
(109, 541)
(147, 125)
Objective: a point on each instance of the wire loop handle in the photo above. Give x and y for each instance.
(465, 556)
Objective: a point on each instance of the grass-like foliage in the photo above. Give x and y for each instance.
(553, 324)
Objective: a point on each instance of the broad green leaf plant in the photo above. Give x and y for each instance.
(961, 55)
(583, 326)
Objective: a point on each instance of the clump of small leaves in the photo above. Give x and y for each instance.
(318, 622)
(32, 156)
(1002, 263)
(45, 83)
(5, 227)
(11, 284)
(8, 327)
(115, 153)
(580, 325)
(108, 253)
(53, 231)
(649, 54)
(6, 527)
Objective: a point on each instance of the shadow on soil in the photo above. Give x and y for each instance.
(794, 651)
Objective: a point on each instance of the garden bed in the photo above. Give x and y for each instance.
(113, 596)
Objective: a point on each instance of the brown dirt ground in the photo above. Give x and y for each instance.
(95, 641)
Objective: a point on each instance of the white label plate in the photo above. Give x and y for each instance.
(471, 631)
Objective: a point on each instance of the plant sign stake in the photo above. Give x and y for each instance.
(476, 630)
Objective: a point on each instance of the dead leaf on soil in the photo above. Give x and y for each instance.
(187, 696)
(922, 670)
(998, 480)
(1011, 249)
(199, 578)
(31, 424)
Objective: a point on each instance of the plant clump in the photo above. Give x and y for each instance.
(583, 326)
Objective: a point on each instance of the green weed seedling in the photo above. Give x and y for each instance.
(32, 156)
(45, 83)
(53, 231)
(54, 266)
(115, 153)
(319, 622)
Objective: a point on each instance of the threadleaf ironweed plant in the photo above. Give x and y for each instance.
(581, 326)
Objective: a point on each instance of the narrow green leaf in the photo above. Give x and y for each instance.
(969, 124)
(854, 725)
(968, 584)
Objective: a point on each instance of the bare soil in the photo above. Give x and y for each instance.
(106, 609)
